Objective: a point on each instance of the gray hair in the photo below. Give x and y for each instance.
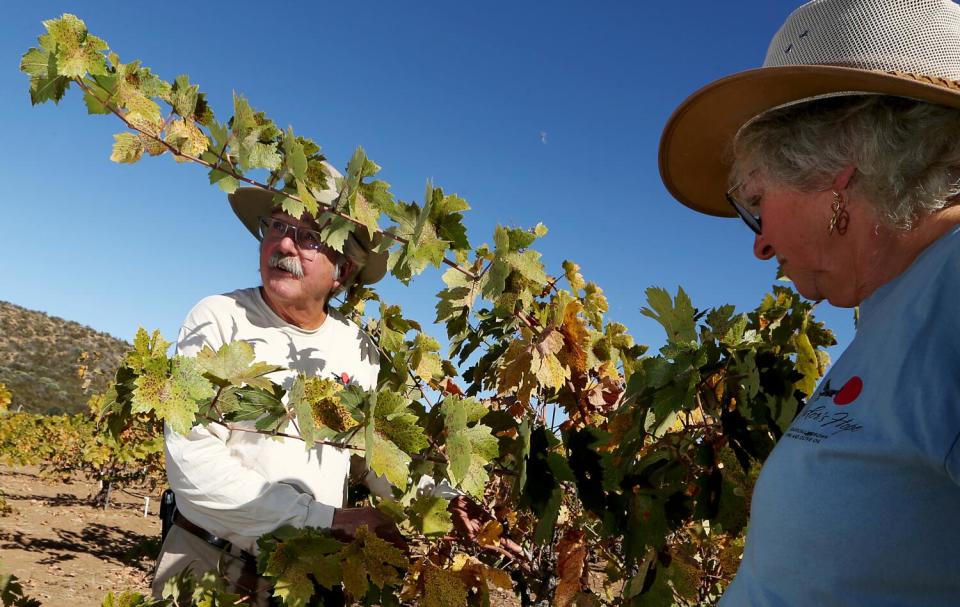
(354, 251)
(907, 152)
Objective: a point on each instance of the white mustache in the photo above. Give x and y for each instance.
(288, 263)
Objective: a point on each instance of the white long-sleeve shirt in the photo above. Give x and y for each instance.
(239, 485)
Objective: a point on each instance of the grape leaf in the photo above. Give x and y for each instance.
(424, 358)
(233, 365)
(469, 448)
(807, 364)
(531, 361)
(571, 556)
(174, 398)
(443, 588)
(678, 317)
(78, 52)
(186, 138)
(370, 560)
(430, 517)
(183, 96)
(387, 459)
(127, 147)
(293, 556)
(394, 420)
(327, 410)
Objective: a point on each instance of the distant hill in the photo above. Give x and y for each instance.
(40, 356)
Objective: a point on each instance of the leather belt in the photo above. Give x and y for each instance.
(215, 541)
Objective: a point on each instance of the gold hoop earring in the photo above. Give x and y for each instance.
(841, 218)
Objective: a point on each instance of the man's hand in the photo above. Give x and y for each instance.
(468, 519)
(346, 521)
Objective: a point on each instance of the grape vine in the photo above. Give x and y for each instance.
(638, 494)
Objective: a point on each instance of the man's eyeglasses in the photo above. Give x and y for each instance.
(747, 210)
(309, 242)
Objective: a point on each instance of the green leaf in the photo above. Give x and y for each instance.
(430, 517)
(336, 230)
(35, 62)
(309, 202)
(101, 89)
(260, 405)
(293, 556)
(423, 246)
(296, 400)
(291, 206)
(228, 183)
(295, 156)
(469, 448)
(677, 317)
(232, 365)
(395, 421)
(543, 533)
(44, 89)
(387, 459)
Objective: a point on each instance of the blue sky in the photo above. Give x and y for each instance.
(456, 92)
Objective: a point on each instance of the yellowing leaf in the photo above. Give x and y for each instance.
(531, 362)
(480, 577)
(807, 364)
(571, 555)
(185, 137)
(78, 52)
(424, 357)
(576, 340)
(370, 560)
(127, 147)
(443, 588)
(141, 108)
(490, 533)
(5, 398)
(322, 394)
(572, 273)
(174, 398)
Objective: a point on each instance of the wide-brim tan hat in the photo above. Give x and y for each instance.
(250, 204)
(905, 48)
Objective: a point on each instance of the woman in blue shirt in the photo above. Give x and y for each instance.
(842, 155)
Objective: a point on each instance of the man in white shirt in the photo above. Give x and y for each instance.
(233, 486)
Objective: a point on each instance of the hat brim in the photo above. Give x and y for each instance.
(250, 204)
(694, 153)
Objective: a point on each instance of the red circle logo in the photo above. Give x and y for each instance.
(849, 392)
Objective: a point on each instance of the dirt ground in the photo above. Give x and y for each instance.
(66, 552)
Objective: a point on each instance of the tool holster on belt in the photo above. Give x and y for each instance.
(170, 516)
(168, 505)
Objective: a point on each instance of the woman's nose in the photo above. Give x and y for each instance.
(762, 249)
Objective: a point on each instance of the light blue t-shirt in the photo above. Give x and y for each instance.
(859, 503)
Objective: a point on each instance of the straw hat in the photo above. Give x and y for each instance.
(250, 204)
(905, 48)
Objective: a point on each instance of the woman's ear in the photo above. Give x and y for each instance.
(843, 178)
